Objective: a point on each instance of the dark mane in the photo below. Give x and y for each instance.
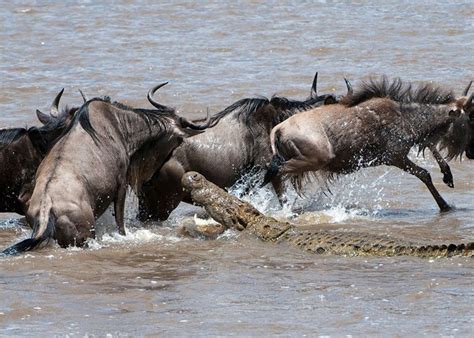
(245, 110)
(150, 116)
(399, 91)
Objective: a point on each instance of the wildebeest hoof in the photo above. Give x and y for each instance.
(446, 208)
(448, 179)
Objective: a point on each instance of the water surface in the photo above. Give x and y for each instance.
(154, 282)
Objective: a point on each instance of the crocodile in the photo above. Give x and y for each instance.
(231, 212)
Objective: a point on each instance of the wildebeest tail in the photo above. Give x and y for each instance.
(37, 237)
(275, 166)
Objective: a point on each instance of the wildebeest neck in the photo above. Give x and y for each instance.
(430, 123)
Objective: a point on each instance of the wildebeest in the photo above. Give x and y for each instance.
(378, 124)
(21, 152)
(238, 141)
(87, 168)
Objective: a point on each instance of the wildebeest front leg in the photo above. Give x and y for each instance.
(444, 166)
(410, 167)
(119, 206)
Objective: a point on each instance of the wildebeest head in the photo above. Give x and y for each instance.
(54, 124)
(460, 136)
(21, 151)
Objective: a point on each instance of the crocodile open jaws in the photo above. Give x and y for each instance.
(231, 212)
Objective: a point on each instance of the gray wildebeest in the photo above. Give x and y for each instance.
(21, 152)
(88, 168)
(238, 142)
(378, 124)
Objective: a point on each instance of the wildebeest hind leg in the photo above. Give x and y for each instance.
(74, 230)
(119, 206)
(410, 167)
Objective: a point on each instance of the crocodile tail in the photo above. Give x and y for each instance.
(39, 235)
(446, 250)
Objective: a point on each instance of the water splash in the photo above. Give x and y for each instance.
(133, 237)
(356, 196)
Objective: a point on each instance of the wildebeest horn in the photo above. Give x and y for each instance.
(350, 91)
(469, 103)
(42, 117)
(54, 106)
(314, 90)
(150, 96)
(188, 124)
(83, 96)
(464, 93)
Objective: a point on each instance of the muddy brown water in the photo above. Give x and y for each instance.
(153, 282)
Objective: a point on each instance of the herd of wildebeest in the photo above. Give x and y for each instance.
(64, 174)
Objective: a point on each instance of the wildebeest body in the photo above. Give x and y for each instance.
(369, 129)
(87, 169)
(19, 161)
(239, 141)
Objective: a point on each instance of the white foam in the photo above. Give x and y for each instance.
(202, 221)
(133, 236)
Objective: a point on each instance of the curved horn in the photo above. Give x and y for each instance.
(150, 96)
(469, 103)
(54, 112)
(314, 90)
(464, 93)
(188, 124)
(83, 96)
(350, 91)
(42, 117)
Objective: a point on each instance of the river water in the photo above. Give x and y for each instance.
(153, 282)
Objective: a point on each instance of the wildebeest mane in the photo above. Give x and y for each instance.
(245, 110)
(400, 91)
(150, 116)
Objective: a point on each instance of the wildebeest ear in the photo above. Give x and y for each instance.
(42, 117)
